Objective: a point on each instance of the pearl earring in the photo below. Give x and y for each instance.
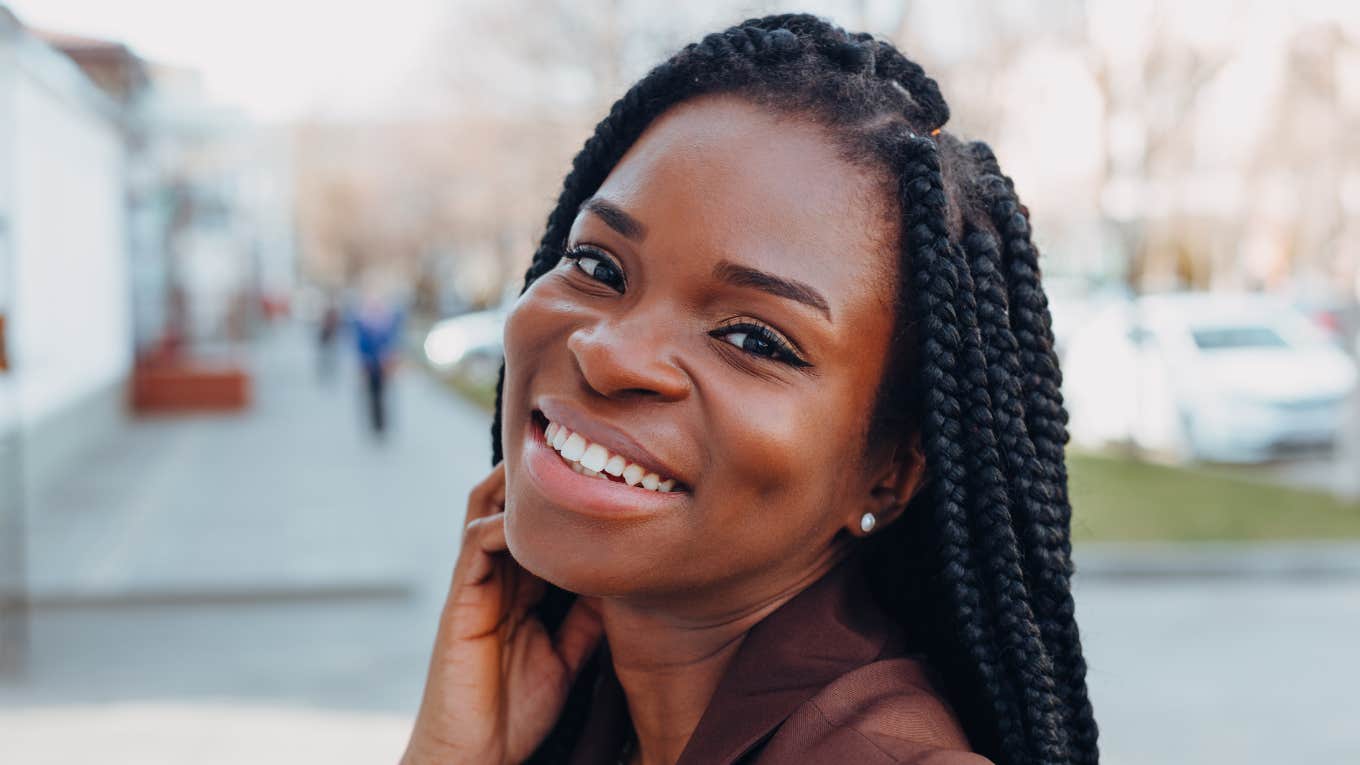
(867, 522)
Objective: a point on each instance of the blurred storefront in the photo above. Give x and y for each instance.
(184, 244)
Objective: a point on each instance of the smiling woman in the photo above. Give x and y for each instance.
(782, 442)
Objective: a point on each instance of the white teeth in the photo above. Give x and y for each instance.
(595, 460)
(574, 447)
(595, 457)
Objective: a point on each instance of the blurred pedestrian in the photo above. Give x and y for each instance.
(376, 323)
(328, 330)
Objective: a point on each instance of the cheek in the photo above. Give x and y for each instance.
(522, 325)
(530, 323)
(528, 331)
(786, 454)
(536, 330)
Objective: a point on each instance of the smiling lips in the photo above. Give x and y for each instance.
(592, 459)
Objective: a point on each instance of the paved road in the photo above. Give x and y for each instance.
(264, 589)
(1212, 671)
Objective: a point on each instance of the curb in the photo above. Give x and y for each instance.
(1311, 561)
(237, 594)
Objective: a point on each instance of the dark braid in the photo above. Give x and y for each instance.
(991, 523)
(978, 568)
(1050, 511)
(995, 530)
(935, 283)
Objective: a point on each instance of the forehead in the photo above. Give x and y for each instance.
(725, 178)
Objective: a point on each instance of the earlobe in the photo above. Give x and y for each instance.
(885, 508)
(893, 490)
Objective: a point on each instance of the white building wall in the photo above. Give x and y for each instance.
(66, 286)
(9, 389)
(72, 330)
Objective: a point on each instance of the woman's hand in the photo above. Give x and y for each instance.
(497, 679)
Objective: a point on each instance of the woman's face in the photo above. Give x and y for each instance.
(723, 320)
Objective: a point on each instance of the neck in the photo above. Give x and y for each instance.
(669, 666)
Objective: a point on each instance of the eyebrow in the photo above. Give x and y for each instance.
(745, 276)
(616, 218)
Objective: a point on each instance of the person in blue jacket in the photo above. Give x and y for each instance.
(376, 324)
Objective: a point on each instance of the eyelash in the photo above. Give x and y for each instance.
(783, 350)
(575, 254)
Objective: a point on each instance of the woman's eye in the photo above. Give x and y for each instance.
(596, 266)
(760, 341)
(752, 343)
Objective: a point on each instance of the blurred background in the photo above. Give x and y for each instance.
(254, 259)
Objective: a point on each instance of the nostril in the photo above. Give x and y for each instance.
(638, 392)
(630, 362)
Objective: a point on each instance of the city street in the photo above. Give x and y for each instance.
(263, 588)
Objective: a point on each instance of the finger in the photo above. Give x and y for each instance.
(483, 542)
(488, 496)
(478, 601)
(498, 486)
(579, 634)
(490, 533)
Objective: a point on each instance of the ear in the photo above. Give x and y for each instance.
(898, 473)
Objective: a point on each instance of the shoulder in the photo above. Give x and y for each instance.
(887, 711)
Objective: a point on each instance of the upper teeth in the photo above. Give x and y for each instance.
(595, 460)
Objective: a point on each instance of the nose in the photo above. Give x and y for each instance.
(630, 358)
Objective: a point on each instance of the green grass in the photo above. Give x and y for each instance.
(478, 392)
(1115, 498)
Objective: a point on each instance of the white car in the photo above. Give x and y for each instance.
(469, 344)
(1234, 378)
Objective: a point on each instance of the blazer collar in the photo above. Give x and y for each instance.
(823, 632)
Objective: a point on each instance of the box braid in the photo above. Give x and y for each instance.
(978, 569)
(1042, 416)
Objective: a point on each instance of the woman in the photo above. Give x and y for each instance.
(783, 470)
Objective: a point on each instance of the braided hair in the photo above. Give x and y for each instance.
(978, 568)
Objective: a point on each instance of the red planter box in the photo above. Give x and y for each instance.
(185, 387)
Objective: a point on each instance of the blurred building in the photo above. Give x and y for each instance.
(209, 200)
(64, 270)
(144, 233)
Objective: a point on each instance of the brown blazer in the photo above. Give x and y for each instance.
(823, 679)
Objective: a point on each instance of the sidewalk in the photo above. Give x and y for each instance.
(276, 557)
(291, 498)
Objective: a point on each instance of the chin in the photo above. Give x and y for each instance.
(578, 557)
